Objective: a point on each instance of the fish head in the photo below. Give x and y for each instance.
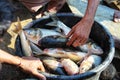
(83, 69)
(34, 35)
(96, 49)
(86, 64)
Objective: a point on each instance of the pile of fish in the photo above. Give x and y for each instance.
(50, 46)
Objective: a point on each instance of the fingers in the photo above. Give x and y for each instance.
(70, 33)
(71, 40)
(40, 76)
(41, 67)
(77, 42)
(116, 20)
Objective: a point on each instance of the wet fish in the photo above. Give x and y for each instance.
(35, 34)
(70, 67)
(53, 65)
(61, 53)
(88, 63)
(51, 39)
(96, 49)
(53, 42)
(24, 42)
(59, 24)
(45, 38)
(35, 49)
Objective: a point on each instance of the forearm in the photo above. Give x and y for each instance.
(8, 58)
(91, 9)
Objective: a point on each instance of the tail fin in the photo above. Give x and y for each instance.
(18, 27)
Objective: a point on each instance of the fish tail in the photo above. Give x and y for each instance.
(18, 27)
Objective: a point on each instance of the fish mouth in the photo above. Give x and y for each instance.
(32, 38)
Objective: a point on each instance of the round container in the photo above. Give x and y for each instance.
(98, 33)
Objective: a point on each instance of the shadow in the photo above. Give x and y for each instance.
(5, 41)
(20, 11)
(11, 72)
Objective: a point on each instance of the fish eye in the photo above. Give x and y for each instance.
(82, 68)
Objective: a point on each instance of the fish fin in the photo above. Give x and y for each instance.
(89, 51)
(87, 54)
(35, 49)
(18, 27)
(60, 65)
(94, 51)
(53, 23)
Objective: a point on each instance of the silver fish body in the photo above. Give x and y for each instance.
(24, 41)
(53, 42)
(70, 67)
(35, 49)
(25, 44)
(59, 24)
(35, 34)
(88, 63)
(61, 53)
(56, 22)
(46, 38)
(53, 65)
(96, 49)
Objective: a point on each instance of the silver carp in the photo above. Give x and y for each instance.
(45, 38)
(24, 42)
(53, 65)
(61, 53)
(70, 67)
(89, 62)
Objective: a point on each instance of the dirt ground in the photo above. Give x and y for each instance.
(10, 72)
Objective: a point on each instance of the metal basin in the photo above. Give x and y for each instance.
(98, 33)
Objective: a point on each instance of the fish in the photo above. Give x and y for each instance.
(70, 67)
(67, 53)
(35, 33)
(96, 49)
(88, 63)
(27, 51)
(35, 49)
(61, 53)
(45, 38)
(53, 65)
(59, 24)
(48, 38)
(65, 29)
(53, 42)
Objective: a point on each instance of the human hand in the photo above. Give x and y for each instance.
(32, 65)
(80, 32)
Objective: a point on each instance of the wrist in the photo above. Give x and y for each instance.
(18, 61)
(88, 21)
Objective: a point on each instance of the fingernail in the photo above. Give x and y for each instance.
(68, 44)
(44, 78)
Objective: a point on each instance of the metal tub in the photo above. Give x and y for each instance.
(98, 33)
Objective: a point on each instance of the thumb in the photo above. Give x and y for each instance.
(40, 76)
